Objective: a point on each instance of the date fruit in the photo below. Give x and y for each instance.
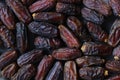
(117, 77)
(116, 52)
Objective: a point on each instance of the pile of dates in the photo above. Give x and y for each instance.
(60, 39)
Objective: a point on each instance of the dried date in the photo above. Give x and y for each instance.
(116, 52)
(117, 77)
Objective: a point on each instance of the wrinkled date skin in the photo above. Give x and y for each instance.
(9, 70)
(97, 32)
(114, 37)
(21, 37)
(25, 73)
(116, 51)
(70, 1)
(55, 72)
(91, 73)
(52, 17)
(92, 16)
(92, 48)
(7, 57)
(68, 37)
(42, 5)
(7, 37)
(113, 65)
(115, 4)
(20, 10)
(87, 61)
(30, 57)
(69, 9)
(70, 71)
(43, 29)
(98, 5)
(66, 53)
(7, 16)
(114, 78)
(44, 67)
(46, 43)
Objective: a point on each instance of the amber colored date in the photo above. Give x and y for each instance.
(7, 16)
(94, 48)
(97, 32)
(52, 17)
(92, 73)
(70, 1)
(30, 57)
(114, 36)
(21, 37)
(99, 5)
(25, 73)
(20, 10)
(69, 9)
(46, 43)
(66, 53)
(87, 61)
(117, 77)
(9, 70)
(68, 37)
(7, 37)
(43, 29)
(70, 71)
(7, 58)
(42, 5)
(55, 72)
(44, 67)
(92, 16)
(116, 52)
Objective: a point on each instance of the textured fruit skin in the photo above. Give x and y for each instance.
(116, 51)
(117, 77)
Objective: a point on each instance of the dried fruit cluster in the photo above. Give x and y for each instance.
(60, 39)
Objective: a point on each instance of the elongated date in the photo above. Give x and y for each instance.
(96, 48)
(97, 32)
(117, 77)
(70, 71)
(55, 72)
(7, 16)
(30, 57)
(68, 37)
(92, 73)
(52, 17)
(116, 52)
(20, 10)
(66, 53)
(87, 61)
(43, 29)
(7, 58)
(28, 71)
(44, 67)
(21, 37)
(92, 16)
(70, 1)
(42, 5)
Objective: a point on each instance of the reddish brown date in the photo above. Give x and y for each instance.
(7, 16)
(97, 32)
(92, 48)
(113, 65)
(20, 10)
(115, 4)
(114, 36)
(46, 43)
(30, 57)
(98, 5)
(55, 72)
(21, 37)
(69, 9)
(87, 61)
(7, 58)
(66, 53)
(25, 73)
(92, 73)
(43, 29)
(52, 17)
(70, 1)
(117, 77)
(116, 51)
(42, 5)
(92, 16)
(44, 67)
(70, 71)
(7, 37)
(68, 37)
(9, 70)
